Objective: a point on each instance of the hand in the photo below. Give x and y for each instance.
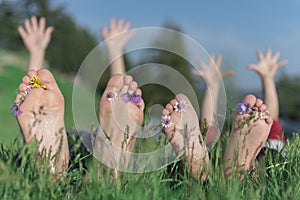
(36, 36)
(267, 66)
(119, 42)
(212, 74)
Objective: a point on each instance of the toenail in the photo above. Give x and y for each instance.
(166, 121)
(111, 95)
(180, 106)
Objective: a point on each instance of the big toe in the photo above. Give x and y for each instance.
(47, 79)
(251, 99)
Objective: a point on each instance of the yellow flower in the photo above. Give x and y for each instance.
(35, 82)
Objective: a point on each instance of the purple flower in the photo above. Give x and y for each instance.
(17, 112)
(14, 106)
(135, 99)
(244, 108)
(126, 97)
(16, 109)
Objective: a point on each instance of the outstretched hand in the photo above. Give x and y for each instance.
(268, 65)
(210, 73)
(36, 36)
(115, 29)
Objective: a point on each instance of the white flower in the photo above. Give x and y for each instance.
(263, 115)
(111, 96)
(180, 106)
(166, 121)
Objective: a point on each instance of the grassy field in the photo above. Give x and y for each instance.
(277, 178)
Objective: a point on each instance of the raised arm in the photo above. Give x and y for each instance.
(36, 37)
(115, 45)
(212, 77)
(266, 68)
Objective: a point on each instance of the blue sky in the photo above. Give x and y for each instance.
(237, 29)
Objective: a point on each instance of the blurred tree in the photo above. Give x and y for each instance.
(289, 96)
(9, 20)
(70, 43)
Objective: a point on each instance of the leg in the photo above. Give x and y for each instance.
(181, 125)
(250, 130)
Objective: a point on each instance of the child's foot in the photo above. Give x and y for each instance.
(250, 130)
(181, 126)
(42, 117)
(121, 114)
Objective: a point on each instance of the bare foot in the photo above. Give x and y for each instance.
(249, 133)
(42, 117)
(181, 125)
(120, 119)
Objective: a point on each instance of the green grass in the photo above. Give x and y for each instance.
(278, 178)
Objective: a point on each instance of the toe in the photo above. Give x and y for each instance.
(132, 87)
(169, 107)
(263, 107)
(26, 79)
(165, 112)
(31, 73)
(259, 103)
(141, 105)
(22, 87)
(47, 79)
(19, 99)
(115, 83)
(173, 102)
(127, 82)
(251, 99)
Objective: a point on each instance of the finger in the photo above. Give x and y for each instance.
(260, 55)
(283, 63)
(34, 23)
(219, 60)
(120, 23)
(22, 32)
(126, 26)
(48, 32)
(112, 23)
(202, 65)
(212, 57)
(104, 33)
(268, 54)
(252, 67)
(276, 56)
(228, 73)
(197, 73)
(28, 26)
(42, 24)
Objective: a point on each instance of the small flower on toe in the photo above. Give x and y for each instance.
(111, 96)
(244, 108)
(263, 115)
(16, 109)
(166, 121)
(180, 106)
(35, 82)
(126, 97)
(135, 99)
(27, 89)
